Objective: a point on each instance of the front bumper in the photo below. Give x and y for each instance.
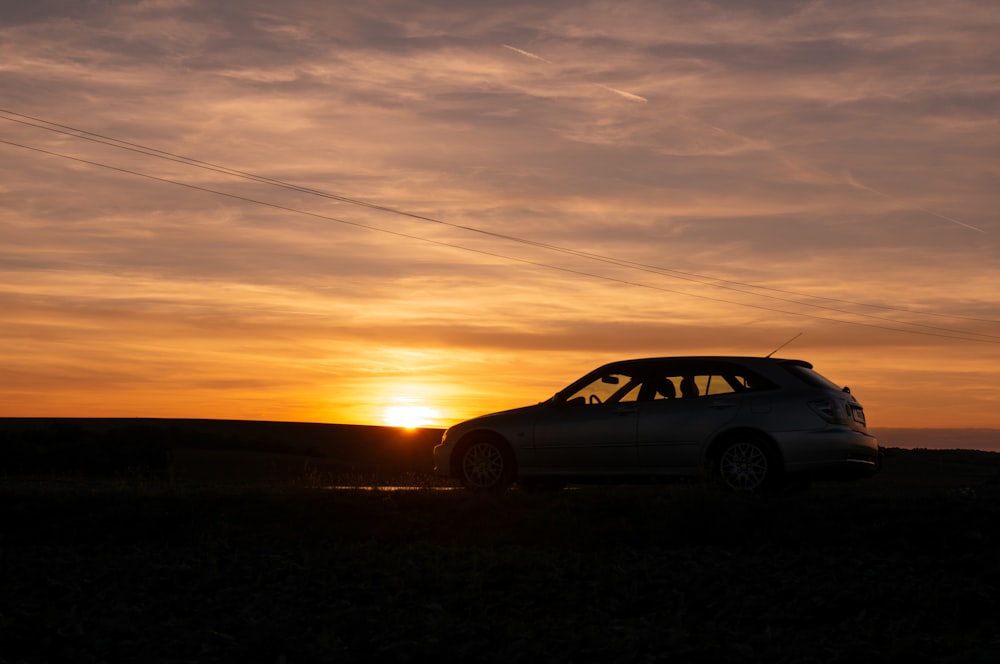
(442, 460)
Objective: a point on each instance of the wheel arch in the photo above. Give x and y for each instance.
(725, 437)
(475, 435)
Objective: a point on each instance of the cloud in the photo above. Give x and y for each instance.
(854, 183)
(526, 54)
(626, 95)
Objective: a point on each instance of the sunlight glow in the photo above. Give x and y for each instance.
(410, 416)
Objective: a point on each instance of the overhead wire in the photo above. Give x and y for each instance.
(700, 279)
(705, 280)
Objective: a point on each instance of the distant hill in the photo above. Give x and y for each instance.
(939, 439)
(101, 446)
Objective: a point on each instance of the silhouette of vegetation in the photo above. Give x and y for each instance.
(117, 447)
(64, 447)
(900, 568)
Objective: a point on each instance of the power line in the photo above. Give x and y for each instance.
(942, 332)
(704, 280)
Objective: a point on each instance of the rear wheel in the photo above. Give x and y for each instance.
(745, 464)
(486, 465)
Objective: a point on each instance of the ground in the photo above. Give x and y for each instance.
(900, 568)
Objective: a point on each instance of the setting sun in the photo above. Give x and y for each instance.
(410, 416)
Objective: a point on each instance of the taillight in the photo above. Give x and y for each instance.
(858, 413)
(831, 410)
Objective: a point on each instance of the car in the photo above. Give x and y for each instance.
(751, 424)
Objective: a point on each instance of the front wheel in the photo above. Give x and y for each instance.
(745, 465)
(486, 465)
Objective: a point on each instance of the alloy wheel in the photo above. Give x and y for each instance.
(743, 466)
(483, 466)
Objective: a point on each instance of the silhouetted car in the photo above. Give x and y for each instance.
(750, 423)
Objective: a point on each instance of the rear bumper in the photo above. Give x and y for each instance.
(832, 454)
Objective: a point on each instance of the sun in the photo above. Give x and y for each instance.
(409, 416)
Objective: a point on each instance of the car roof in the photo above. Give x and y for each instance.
(746, 360)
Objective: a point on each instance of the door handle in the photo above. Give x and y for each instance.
(625, 410)
(719, 405)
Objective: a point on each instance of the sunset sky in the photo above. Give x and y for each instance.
(363, 212)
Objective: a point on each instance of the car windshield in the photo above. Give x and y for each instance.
(610, 387)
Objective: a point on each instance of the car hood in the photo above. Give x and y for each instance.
(491, 419)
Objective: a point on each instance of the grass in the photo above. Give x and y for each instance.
(217, 542)
(898, 568)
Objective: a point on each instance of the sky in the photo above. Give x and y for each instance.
(398, 212)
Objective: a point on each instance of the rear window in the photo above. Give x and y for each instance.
(810, 377)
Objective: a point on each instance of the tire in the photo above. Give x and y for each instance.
(486, 464)
(745, 465)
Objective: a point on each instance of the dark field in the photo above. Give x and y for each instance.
(196, 563)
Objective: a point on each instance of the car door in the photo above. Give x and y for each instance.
(594, 431)
(670, 431)
(593, 437)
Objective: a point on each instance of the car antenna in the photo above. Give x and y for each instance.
(784, 344)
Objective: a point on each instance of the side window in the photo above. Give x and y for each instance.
(715, 384)
(632, 394)
(672, 386)
(727, 383)
(699, 380)
(657, 387)
(746, 381)
(692, 386)
(706, 385)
